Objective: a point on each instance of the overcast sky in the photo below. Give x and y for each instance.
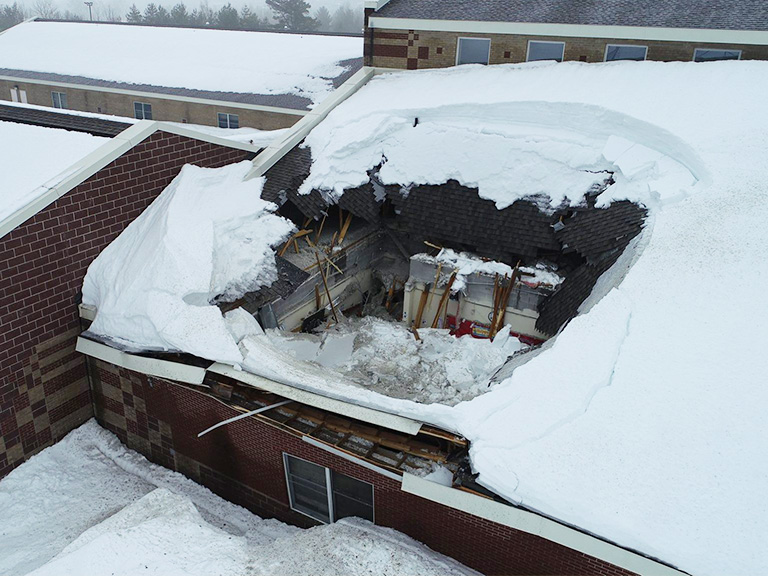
(121, 6)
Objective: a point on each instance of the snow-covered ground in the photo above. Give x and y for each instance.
(89, 506)
(216, 60)
(642, 420)
(33, 158)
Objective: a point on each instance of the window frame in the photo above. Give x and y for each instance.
(62, 97)
(608, 46)
(528, 50)
(329, 490)
(228, 117)
(715, 50)
(458, 49)
(144, 106)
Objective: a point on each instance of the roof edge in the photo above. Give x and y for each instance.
(538, 525)
(156, 95)
(275, 151)
(86, 167)
(703, 35)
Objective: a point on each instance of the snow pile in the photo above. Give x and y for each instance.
(385, 357)
(207, 234)
(33, 159)
(466, 264)
(198, 59)
(430, 128)
(89, 506)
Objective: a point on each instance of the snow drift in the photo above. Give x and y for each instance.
(89, 506)
(207, 234)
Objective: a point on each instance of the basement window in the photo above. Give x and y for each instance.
(473, 51)
(324, 494)
(708, 55)
(59, 99)
(624, 52)
(229, 120)
(142, 110)
(538, 50)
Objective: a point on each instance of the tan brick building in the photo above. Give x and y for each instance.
(223, 78)
(417, 34)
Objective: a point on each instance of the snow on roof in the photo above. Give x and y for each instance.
(207, 234)
(642, 420)
(430, 128)
(207, 60)
(33, 159)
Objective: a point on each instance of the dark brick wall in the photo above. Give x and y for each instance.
(243, 463)
(43, 386)
(424, 49)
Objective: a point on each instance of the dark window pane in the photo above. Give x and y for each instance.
(308, 490)
(138, 110)
(234, 121)
(704, 55)
(473, 51)
(545, 51)
(617, 52)
(351, 498)
(223, 121)
(62, 100)
(147, 112)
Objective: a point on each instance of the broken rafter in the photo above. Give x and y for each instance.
(327, 291)
(444, 299)
(422, 304)
(292, 240)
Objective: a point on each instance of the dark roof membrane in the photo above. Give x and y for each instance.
(706, 14)
(56, 119)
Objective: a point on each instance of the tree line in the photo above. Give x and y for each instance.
(293, 15)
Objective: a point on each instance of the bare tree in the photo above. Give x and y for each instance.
(46, 9)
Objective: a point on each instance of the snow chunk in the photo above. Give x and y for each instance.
(384, 356)
(430, 127)
(208, 234)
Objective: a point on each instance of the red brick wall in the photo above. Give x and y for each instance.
(43, 386)
(243, 463)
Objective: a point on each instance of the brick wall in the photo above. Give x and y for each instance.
(243, 463)
(44, 391)
(163, 108)
(417, 49)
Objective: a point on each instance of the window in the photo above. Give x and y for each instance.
(142, 110)
(228, 120)
(326, 495)
(545, 51)
(59, 99)
(473, 51)
(624, 52)
(708, 55)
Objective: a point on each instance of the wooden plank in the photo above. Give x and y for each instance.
(422, 304)
(320, 231)
(327, 292)
(444, 299)
(345, 228)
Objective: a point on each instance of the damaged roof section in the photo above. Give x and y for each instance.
(583, 241)
(599, 236)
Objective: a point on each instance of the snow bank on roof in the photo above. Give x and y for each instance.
(216, 60)
(33, 158)
(642, 420)
(433, 127)
(113, 512)
(208, 234)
